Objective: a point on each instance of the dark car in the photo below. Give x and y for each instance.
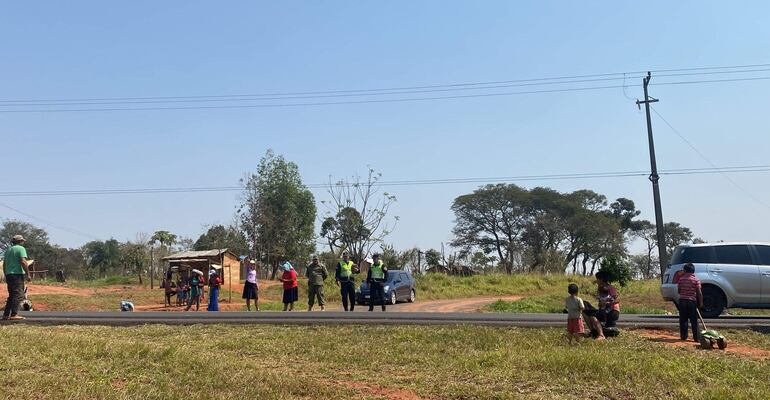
(399, 286)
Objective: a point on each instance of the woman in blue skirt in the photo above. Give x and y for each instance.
(214, 284)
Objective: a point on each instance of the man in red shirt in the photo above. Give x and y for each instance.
(690, 297)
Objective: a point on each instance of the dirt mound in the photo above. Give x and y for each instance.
(670, 338)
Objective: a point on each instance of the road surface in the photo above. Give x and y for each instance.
(367, 318)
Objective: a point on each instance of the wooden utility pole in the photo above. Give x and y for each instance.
(654, 178)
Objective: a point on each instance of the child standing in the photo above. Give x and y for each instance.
(690, 297)
(575, 307)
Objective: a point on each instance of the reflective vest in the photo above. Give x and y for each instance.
(377, 272)
(346, 269)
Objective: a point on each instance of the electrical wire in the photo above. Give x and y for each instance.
(731, 69)
(373, 101)
(412, 182)
(49, 223)
(707, 160)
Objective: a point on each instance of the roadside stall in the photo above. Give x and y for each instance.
(181, 266)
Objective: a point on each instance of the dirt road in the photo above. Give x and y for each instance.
(474, 304)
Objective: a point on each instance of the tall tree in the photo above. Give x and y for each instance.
(102, 256)
(221, 237)
(493, 219)
(357, 217)
(37, 244)
(277, 212)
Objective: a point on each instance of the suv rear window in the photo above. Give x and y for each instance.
(703, 255)
(736, 254)
(764, 254)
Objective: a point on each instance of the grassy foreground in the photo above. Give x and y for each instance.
(282, 362)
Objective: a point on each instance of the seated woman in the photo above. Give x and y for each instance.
(609, 307)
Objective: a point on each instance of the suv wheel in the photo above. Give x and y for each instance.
(411, 296)
(713, 302)
(393, 298)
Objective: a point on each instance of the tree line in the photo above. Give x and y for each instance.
(501, 227)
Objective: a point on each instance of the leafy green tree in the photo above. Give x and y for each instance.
(676, 234)
(102, 256)
(617, 269)
(165, 238)
(493, 219)
(37, 243)
(432, 258)
(278, 212)
(133, 258)
(221, 237)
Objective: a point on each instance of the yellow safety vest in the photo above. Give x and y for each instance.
(377, 272)
(346, 269)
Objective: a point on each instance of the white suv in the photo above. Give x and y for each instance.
(732, 275)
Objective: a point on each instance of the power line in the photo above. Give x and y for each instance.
(242, 98)
(730, 68)
(49, 223)
(412, 182)
(372, 101)
(706, 159)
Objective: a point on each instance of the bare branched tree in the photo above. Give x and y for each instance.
(357, 215)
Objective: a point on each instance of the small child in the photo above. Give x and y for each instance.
(575, 307)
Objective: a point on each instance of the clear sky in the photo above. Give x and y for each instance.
(79, 49)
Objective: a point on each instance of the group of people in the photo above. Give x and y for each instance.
(599, 319)
(608, 313)
(344, 277)
(190, 290)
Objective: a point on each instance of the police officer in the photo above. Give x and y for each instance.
(376, 280)
(344, 278)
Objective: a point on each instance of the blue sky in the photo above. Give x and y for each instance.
(95, 49)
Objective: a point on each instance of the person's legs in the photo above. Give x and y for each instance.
(344, 295)
(372, 294)
(248, 304)
(611, 318)
(683, 317)
(310, 296)
(352, 295)
(15, 294)
(319, 289)
(694, 322)
(597, 326)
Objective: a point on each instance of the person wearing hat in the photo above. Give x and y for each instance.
(196, 283)
(316, 274)
(16, 269)
(376, 280)
(290, 290)
(215, 282)
(250, 287)
(344, 277)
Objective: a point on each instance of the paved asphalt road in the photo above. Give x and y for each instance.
(376, 317)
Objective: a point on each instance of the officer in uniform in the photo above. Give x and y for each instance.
(344, 278)
(376, 280)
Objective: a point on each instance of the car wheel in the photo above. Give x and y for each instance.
(713, 302)
(411, 296)
(393, 299)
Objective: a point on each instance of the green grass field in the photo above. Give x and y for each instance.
(329, 362)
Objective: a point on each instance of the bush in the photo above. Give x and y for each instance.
(616, 269)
